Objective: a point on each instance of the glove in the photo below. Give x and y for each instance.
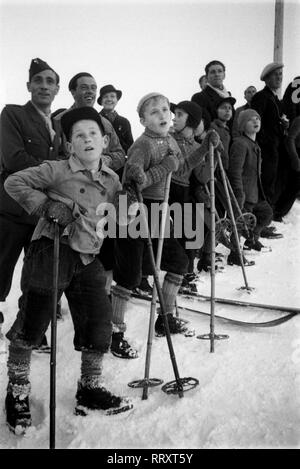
(214, 138)
(170, 162)
(57, 211)
(136, 173)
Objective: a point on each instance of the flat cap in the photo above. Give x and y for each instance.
(269, 69)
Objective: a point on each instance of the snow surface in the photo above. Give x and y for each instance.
(248, 393)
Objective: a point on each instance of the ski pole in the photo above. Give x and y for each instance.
(212, 335)
(241, 215)
(53, 336)
(154, 292)
(233, 221)
(180, 384)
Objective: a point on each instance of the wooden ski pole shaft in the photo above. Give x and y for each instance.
(232, 220)
(161, 299)
(53, 337)
(154, 292)
(237, 205)
(213, 248)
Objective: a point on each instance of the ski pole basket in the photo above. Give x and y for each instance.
(180, 385)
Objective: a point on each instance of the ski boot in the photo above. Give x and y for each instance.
(99, 398)
(234, 259)
(144, 289)
(252, 243)
(121, 348)
(43, 347)
(176, 325)
(18, 417)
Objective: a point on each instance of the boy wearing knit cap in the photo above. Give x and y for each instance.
(150, 159)
(244, 173)
(69, 192)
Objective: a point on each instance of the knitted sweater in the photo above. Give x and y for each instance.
(148, 151)
(194, 158)
(224, 133)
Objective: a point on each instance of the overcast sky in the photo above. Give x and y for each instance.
(142, 46)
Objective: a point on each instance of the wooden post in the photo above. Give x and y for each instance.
(278, 32)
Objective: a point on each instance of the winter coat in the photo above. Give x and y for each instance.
(293, 144)
(122, 128)
(24, 142)
(244, 170)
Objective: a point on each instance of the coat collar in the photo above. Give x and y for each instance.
(39, 121)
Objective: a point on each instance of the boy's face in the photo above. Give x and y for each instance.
(43, 88)
(253, 125)
(180, 119)
(85, 92)
(109, 101)
(87, 142)
(157, 116)
(224, 112)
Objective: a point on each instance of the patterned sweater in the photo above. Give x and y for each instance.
(148, 151)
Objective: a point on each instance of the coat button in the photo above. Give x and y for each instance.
(82, 190)
(51, 148)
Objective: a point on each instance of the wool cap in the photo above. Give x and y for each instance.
(78, 114)
(37, 65)
(108, 89)
(142, 101)
(192, 109)
(228, 99)
(244, 117)
(72, 83)
(269, 69)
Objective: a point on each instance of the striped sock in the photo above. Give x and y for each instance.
(170, 288)
(18, 364)
(119, 299)
(91, 369)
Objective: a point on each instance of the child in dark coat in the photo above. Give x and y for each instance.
(70, 192)
(244, 173)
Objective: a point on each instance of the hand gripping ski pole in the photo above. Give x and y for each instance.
(53, 336)
(151, 382)
(212, 336)
(179, 385)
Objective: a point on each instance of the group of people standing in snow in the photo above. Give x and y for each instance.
(61, 167)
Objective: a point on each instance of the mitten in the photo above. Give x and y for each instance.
(57, 211)
(170, 162)
(136, 173)
(213, 137)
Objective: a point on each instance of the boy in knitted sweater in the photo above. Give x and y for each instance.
(152, 156)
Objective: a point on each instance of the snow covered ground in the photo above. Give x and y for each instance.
(248, 393)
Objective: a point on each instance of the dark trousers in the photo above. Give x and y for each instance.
(263, 213)
(13, 238)
(290, 191)
(132, 258)
(83, 286)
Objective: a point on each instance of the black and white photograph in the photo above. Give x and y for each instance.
(149, 227)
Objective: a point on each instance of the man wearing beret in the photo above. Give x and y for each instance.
(83, 88)
(271, 135)
(28, 137)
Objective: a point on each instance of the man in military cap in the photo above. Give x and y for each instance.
(271, 135)
(28, 137)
